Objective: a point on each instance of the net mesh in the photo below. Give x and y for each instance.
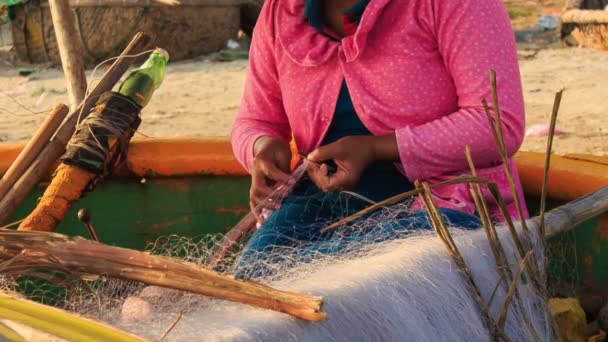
(396, 283)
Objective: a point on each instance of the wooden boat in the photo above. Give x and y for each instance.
(193, 187)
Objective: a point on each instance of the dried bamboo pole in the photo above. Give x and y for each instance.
(56, 147)
(33, 147)
(568, 216)
(27, 250)
(401, 197)
(70, 50)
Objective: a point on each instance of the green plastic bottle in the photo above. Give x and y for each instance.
(143, 81)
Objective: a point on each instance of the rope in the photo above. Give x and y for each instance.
(92, 143)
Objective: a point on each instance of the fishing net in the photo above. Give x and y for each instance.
(385, 284)
(564, 266)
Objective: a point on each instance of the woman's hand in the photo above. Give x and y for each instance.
(271, 167)
(351, 155)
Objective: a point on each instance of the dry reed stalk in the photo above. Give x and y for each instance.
(494, 241)
(170, 328)
(543, 195)
(495, 291)
(497, 132)
(401, 197)
(482, 208)
(502, 319)
(24, 251)
(532, 272)
(500, 141)
(445, 237)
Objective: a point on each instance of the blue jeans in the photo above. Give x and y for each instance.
(292, 234)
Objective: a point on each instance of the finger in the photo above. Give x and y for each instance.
(322, 178)
(255, 212)
(338, 181)
(274, 173)
(259, 184)
(331, 151)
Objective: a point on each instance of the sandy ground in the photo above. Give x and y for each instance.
(200, 98)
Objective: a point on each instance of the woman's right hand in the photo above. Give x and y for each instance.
(271, 168)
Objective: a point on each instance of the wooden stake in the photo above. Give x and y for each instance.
(70, 50)
(33, 148)
(225, 245)
(568, 216)
(56, 147)
(28, 250)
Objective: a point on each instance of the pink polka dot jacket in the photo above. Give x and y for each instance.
(418, 68)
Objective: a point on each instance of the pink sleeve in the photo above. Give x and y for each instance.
(261, 112)
(474, 36)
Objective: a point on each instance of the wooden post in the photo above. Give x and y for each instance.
(56, 147)
(33, 148)
(568, 216)
(70, 50)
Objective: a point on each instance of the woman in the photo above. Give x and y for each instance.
(387, 90)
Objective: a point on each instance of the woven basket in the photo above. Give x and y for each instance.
(589, 28)
(193, 28)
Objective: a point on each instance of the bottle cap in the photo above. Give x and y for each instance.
(163, 52)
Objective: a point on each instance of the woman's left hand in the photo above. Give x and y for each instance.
(351, 156)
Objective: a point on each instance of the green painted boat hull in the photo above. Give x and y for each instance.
(132, 213)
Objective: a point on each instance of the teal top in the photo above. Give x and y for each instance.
(380, 180)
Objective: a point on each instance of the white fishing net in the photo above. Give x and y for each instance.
(374, 287)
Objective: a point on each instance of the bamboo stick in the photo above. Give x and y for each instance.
(225, 245)
(33, 148)
(568, 216)
(24, 250)
(401, 197)
(70, 49)
(56, 146)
